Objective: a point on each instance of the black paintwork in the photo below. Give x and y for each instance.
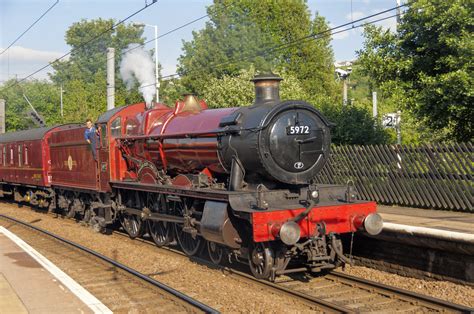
(258, 138)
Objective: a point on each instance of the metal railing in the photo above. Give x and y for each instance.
(430, 176)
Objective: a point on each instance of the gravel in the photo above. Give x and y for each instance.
(210, 286)
(444, 290)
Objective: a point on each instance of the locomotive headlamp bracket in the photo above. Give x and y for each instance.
(313, 194)
(351, 193)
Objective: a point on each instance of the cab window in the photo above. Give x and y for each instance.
(116, 127)
(103, 135)
(131, 126)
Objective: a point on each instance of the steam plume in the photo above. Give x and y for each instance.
(137, 64)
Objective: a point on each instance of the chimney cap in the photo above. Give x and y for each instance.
(266, 77)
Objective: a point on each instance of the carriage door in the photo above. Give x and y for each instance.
(104, 172)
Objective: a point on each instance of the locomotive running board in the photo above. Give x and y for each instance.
(208, 194)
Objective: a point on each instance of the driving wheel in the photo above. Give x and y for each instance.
(261, 260)
(216, 252)
(132, 224)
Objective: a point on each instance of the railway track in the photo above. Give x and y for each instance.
(339, 293)
(120, 288)
(352, 294)
(336, 292)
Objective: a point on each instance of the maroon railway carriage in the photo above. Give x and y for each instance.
(25, 165)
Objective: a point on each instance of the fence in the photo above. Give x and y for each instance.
(430, 176)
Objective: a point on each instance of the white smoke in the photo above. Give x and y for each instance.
(137, 64)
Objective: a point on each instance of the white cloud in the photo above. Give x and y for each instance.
(23, 54)
(19, 62)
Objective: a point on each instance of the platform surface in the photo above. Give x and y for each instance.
(27, 287)
(428, 218)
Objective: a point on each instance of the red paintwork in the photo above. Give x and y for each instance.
(72, 164)
(35, 165)
(181, 154)
(117, 165)
(338, 219)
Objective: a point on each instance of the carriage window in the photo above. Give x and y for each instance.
(4, 155)
(103, 135)
(26, 155)
(11, 155)
(20, 154)
(116, 127)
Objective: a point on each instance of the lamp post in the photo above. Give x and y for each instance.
(157, 82)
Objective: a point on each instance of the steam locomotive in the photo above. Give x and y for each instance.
(238, 181)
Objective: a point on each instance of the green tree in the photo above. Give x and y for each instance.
(84, 73)
(87, 59)
(83, 77)
(354, 126)
(426, 68)
(242, 33)
(44, 96)
(235, 91)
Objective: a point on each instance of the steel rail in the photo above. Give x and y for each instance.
(327, 306)
(201, 306)
(406, 295)
(402, 294)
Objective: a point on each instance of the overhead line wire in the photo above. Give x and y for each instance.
(307, 39)
(37, 20)
(168, 32)
(312, 36)
(83, 44)
(319, 34)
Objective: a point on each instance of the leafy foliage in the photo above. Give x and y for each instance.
(235, 91)
(84, 74)
(355, 126)
(87, 59)
(242, 33)
(44, 97)
(427, 67)
(83, 77)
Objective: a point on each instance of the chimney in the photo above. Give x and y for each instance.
(267, 88)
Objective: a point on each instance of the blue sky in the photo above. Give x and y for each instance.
(45, 41)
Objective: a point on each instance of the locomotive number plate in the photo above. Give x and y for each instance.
(297, 130)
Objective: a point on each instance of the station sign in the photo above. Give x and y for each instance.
(391, 120)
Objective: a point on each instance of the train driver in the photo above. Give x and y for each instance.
(91, 134)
